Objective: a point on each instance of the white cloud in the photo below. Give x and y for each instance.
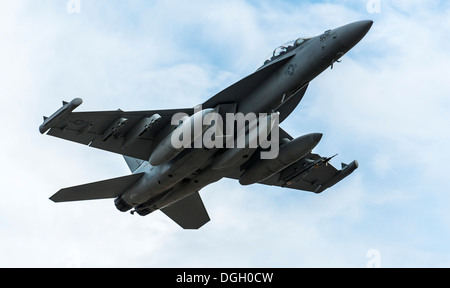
(386, 105)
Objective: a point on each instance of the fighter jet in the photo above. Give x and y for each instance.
(173, 154)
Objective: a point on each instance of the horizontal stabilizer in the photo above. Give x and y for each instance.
(189, 213)
(100, 190)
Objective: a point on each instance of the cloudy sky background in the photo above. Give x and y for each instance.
(385, 105)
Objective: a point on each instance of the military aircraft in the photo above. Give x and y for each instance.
(167, 177)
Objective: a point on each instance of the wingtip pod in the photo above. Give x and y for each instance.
(344, 173)
(67, 108)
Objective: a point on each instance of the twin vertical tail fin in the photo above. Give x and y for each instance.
(133, 163)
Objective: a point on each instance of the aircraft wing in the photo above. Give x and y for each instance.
(126, 133)
(313, 173)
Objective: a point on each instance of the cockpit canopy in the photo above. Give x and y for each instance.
(286, 48)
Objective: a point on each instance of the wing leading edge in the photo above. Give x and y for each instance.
(125, 133)
(312, 173)
(132, 133)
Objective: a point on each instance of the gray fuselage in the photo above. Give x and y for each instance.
(191, 170)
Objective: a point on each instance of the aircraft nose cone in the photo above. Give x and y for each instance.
(317, 137)
(349, 35)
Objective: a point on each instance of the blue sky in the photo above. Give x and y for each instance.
(385, 105)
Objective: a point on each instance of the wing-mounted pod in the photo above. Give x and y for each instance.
(140, 129)
(341, 175)
(115, 129)
(191, 128)
(118, 129)
(59, 115)
(248, 140)
(289, 153)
